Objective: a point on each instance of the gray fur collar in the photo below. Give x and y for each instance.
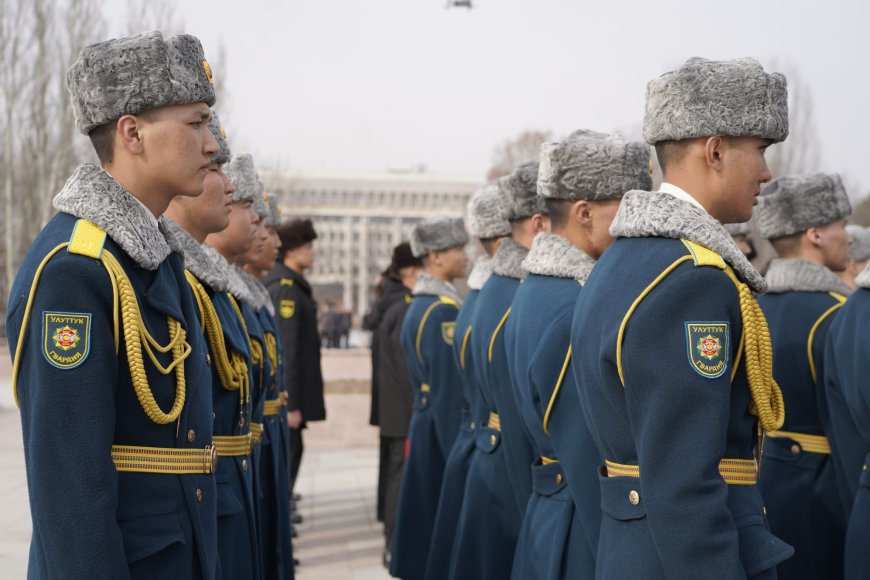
(508, 259)
(796, 275)
(196, 259)
(863, 279)
(480, 273)
(238, 287)
(259, 295)
(553, 255)
(427, 284)
(90, 193)
(644, 214)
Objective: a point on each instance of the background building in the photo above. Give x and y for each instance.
(359, 218)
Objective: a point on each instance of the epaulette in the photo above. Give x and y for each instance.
(448, 300)
(702, 256)
(87, 240)
(287, 282)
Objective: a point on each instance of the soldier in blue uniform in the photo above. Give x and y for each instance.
(499, 484)
(859, 254)
(670, 350)
(110, 368)
(427, 339)
(582, 180)
(191, 220)
(845, 417)
(485, 221)
(805, 220)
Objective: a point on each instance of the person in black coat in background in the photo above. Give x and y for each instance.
(297, 320)
(391, 404)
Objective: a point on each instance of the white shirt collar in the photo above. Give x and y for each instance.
(144, 207)
(680, 193)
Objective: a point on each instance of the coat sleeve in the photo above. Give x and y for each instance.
(68, 416)
(443, 374)
(679, 421)
(287, 301)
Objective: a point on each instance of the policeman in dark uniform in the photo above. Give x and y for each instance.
(191, 220)
(499, 484)
(427, 339)
(110, 368)
(296, 314)
(671, 352)
(582, 180)
(805, 220)
(859, 254)
(485, 221)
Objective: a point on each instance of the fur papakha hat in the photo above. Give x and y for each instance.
(436, 234)
(295, 233)
(217, 131)
(794, 203)
(274, 219)
(593, 166)
(860, 247)
(261, 203)
(743, 229)
(126, 76)
(484, 216)
(521, 188)
(703, 98)
(240, 170)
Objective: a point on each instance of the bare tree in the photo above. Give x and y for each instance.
(801, 152)
(144, 15)
(512, 152)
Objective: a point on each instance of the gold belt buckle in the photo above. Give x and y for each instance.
(210, 459)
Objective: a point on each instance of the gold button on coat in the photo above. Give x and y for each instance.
(424, 400)
(191, 435)
(207, 359)
(633, 497)
(492, 439)
(558, 478)
(795, 449)
(198, 495)
(245, 464)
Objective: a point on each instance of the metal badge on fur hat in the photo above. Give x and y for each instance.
(242, 174)
(860, 248)
(795, 203)
(217, 131)
(708, 97)
(521, 187)
(593, 166)
(485, 213)
(436, 234)
(126, 76)
(743, 229)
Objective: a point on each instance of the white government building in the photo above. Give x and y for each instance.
(359, 218)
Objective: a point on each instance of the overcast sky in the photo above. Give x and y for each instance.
(369, 85)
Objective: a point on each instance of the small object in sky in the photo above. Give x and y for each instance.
(460, 4)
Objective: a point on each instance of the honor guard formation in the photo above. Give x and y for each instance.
(620, 395)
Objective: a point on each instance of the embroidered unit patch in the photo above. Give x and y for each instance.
(66, 338)
(707, 344)
(288, 308)
(447, 330)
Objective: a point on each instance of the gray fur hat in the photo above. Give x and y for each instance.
(485, 214)
(217, 131)
(860, 248)
(795, 203)
(274, 219)
(709, 97)
(126, 76)
(743, 229)
(240, 170)
(521, 188)
(593, 166)
(261, 202)
(436, 234)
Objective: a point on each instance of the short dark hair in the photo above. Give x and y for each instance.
(671, 151)
(559, 210)
(294, 233)
(103, 137)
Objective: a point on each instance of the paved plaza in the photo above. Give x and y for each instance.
(340, 537)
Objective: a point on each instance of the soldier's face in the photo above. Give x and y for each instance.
(237, 236)
(834, 241)
(742, 171)
(601, 216)
(177, 148)
(212, 208)
(455, 261)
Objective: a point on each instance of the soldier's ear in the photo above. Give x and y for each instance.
(581, 212)
(713, 149)
(128, 135)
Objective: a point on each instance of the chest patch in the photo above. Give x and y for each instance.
(707, 344)
(287, 308)
(447, 331)
(66, 338)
